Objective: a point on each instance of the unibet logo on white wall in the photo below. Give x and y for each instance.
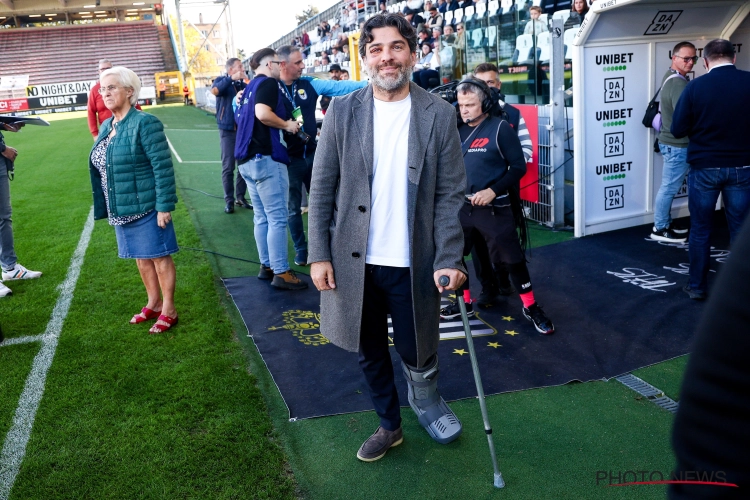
(616, 144)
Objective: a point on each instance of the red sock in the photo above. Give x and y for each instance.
(467, 296)
(527, 299)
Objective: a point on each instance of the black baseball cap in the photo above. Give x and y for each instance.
(334, 67)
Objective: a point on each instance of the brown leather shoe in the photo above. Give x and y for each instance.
(379, 443)
(288, 281)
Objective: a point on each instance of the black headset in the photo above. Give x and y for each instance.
(489, 101)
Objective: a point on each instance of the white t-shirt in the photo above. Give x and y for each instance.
(388, 240)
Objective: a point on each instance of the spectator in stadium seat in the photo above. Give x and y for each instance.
(11, 269)
(535, 25)
(382, 9)
(345, 52)
(225, 89)
(97, 111)
(425, 69)
(302, 92)
(435, 20)
(337, 56)
(442, 6)
(344, 75)
(577, 12)
(132, 145)
(414, 19)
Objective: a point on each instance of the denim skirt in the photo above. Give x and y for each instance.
(144, 239)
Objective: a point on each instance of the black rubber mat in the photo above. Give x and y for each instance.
(616, 301)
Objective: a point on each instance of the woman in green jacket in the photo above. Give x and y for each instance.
(133, 186)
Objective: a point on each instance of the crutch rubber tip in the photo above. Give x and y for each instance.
(499, 483)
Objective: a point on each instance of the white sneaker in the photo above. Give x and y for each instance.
(4, 290)
(20, 273)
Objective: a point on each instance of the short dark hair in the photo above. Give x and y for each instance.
(485, 67)
(387, 20)
(259, 56)
(285, 51)
(230, 62)
(681, 46)
(718, 49)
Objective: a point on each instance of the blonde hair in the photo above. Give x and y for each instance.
(126, 78)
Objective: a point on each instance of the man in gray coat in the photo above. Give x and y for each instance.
(387, 186)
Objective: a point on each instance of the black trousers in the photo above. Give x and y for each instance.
(490, 278)
(387, 291)
(497, 227)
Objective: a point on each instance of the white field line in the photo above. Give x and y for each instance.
(14, 447)
(174, 151)
(22, 340)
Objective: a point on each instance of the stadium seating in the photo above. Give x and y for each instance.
(71, 53)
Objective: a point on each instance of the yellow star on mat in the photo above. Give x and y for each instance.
(459, 351)
(493, 344)
(511, 332)
(507, 318)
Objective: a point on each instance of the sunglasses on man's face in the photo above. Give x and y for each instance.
(693, 59)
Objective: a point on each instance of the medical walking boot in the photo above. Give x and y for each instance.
(431, 409)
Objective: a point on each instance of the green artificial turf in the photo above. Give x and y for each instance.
(551, 442)
(125, 414)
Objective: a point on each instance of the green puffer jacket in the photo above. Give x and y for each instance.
(140, 176)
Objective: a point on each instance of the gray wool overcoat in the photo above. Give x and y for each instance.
(339, 210)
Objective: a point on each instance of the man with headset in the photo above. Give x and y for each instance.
(495, 164)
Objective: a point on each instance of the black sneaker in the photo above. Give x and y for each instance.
(265, 273)
(488, 297)
(453, 311)
(678, 228)
(288, 281)
(693, 293)
(667, 235)
(541, 322)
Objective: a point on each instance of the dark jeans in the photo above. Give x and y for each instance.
(491, 279)
(300, 170)
(227, 138)
(387, 291)
(704, 186)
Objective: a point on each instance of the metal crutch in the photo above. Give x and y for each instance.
(498, 479)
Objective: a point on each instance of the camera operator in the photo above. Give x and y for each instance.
(11, 269)
(225, 89)
(496, 282)
(494, 164)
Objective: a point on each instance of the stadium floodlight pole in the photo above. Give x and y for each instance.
(183, 53)
(498, 478)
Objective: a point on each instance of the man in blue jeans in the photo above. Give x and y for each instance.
(713, 113)
(673, 150)
(11, 269)
(225, 89)
(262, 121)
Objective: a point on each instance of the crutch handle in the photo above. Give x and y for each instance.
(444, 280)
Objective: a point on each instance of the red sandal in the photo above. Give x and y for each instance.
(157, 328)
(147, 315)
